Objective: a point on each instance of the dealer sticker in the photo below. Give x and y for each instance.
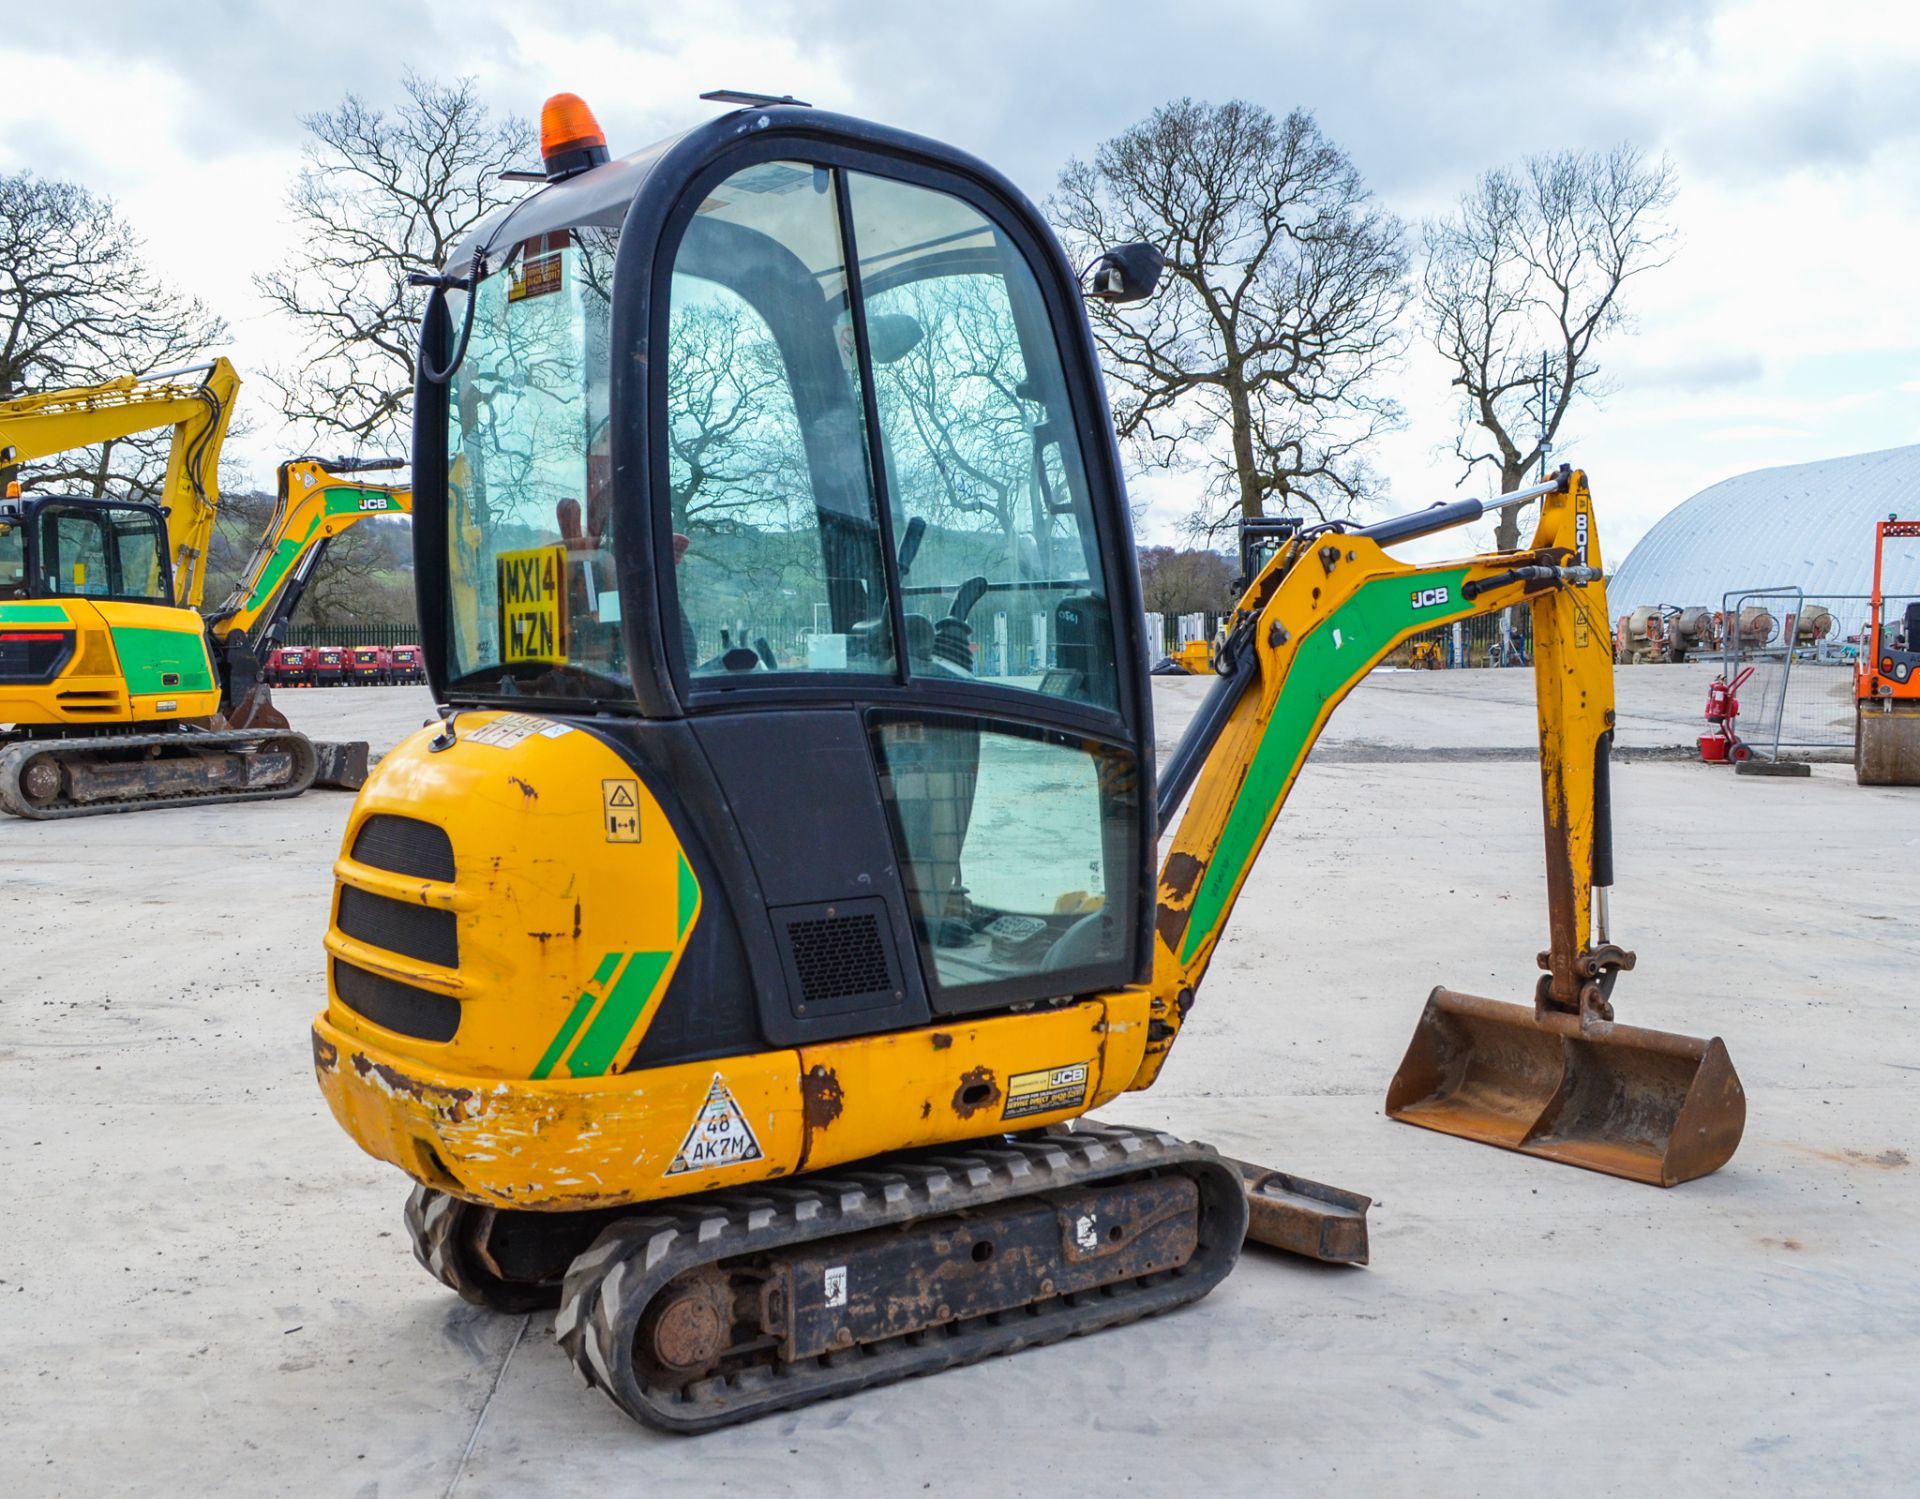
(1044, 1091)
(508, 730)
(720, 1135)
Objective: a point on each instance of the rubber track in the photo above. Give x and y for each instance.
(441, 1230)
(14, 758)
(608, 1287)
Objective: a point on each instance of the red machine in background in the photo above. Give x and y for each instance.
(290, 666)
(1722, 742)
(368, 666)
(329, 665)
(404, 664)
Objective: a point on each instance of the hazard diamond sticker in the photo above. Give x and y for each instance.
(720, 1135)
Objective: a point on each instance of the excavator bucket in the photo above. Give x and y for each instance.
(1647, 1105)
(255, 710)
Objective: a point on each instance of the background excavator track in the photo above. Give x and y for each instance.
(168, 770)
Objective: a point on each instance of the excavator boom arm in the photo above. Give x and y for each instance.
(317, 500)
(1324, 611)
(58, 421)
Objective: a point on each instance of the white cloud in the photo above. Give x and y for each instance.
(1785, 329)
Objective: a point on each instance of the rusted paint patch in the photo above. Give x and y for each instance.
(821, 1101)
(1171, 923)
(1181, 875)
(978, 1090)
(576, 918)
(941, 1040)
(527, 793)
(926, 1109)
(449, 1105)
(326, 1056)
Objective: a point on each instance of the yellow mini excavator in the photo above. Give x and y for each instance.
(115, 694)
(732, 966)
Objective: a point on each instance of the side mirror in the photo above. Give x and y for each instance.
(1126, 273)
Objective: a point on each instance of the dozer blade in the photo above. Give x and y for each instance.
(1303, 1217)
(1647, 1105)
(341, 763)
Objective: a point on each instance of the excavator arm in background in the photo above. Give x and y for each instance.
(198, 410)
(316, 499)
(1559, 1079)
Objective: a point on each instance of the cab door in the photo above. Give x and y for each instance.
(893, 500)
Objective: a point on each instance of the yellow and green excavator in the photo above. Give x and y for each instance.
(115, 693)
(733, 966)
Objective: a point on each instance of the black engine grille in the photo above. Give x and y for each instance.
(405, 845)
(399, 926)
(838, 955)
(398, 1007)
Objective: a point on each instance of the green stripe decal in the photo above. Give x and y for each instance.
(688, 896)
(1336, 653)
(284, 556)
(563, 1038)
(32, 614)
(614, 1023)
(148, 656)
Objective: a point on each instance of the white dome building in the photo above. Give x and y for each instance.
(1806, 525)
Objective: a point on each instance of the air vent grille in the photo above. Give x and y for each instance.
(838, 957)
(397, 1007)
(405, 845)
(415, 931)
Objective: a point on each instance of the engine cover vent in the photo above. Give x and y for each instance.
(405, 845)
(839, 956)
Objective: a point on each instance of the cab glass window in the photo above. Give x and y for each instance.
(1019, 856)
(1001, 569)
(776, 534)
(13, 559)
(99, 551)
(534, 596)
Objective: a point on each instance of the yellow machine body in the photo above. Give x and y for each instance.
(572, 910)
(529, 1103)
(131, 663)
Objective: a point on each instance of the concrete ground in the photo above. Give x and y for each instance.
(204, 1287)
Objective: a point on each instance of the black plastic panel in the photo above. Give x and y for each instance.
(405, 845)
(400, 926)
(839, 957)
(397, 1007)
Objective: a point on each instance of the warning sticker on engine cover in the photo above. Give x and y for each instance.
(1046, 1090)
(720, 1135)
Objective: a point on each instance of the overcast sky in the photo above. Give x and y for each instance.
(1787, 328)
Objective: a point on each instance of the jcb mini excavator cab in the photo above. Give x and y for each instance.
(795, 804)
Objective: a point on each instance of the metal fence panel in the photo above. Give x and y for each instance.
(1758, 633)
(352, 635)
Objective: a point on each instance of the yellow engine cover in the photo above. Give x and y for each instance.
(571, 902)
(130, 663)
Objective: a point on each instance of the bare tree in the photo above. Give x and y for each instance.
(382, 195)
(1286, 282)
(1176, 582)
(79, 305)
(1531, 265)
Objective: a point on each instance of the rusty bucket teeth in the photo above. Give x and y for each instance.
(1647, 1105)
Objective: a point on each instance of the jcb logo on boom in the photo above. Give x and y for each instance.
(1429, 598)
(374, 502)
